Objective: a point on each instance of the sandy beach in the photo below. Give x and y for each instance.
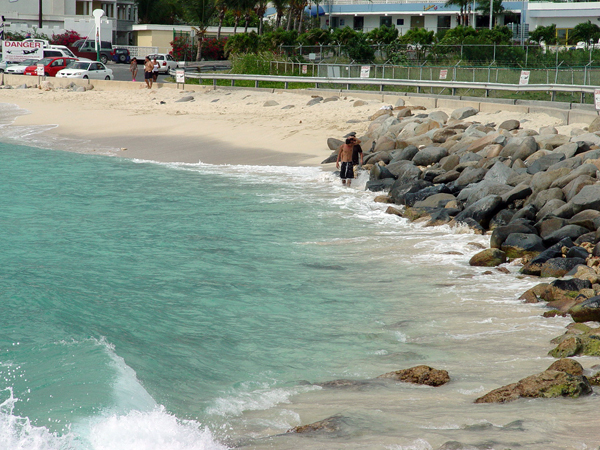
(218, 127)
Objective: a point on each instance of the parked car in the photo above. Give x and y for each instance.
(5, 64)
(51, 66)
(19, 68)
(86, 69)
(86, 48)
(120, 55)
(166, 62)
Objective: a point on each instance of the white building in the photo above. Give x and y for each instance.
(57, 16)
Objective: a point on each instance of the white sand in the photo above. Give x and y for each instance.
(236, 129)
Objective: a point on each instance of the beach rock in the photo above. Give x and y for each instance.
(271, 103)
(293, 106)
(481, 211)
(359, 103)
(590, 138)
(331, 99)
(568, 231)
(491, 257)
(549, 209)
(549, 225)
(518, 148)
(541, 198)
(331, 158)
(587, 311)
(568, 347)
(439, 217)
(595, 125)
(400, 102)
(519, 192)
(408, 153)
(518, 245)
(559, 267)
(439, 116)
(379, 185)
(577, 252)
(406, 112)
(500, 234)
(501, 219)
(574, 284)
(419, 375)
(429, 155)
(410, 199)
(447, 177)
(400, 189)
(499, 173)
(543, 163)
(510, 125)
(330, 425)
(575, 186)
(187, 98)
(470, 175)
(587, 198)
(334, 144)
(542, 180)
(548, 384)
(435, 201)
(567, 365)
(548, 130)
(314, 101)
(463, 113)
(588, 218)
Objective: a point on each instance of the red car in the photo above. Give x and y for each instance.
(51, 66)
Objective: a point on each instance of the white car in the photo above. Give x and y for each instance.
(19, 68)
(92, 70)
(166, 62)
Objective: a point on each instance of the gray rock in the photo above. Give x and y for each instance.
(408, 173)
(576, 185)
(499, 173)
(587, 219)
(292, 106)
(481, 211)
(439, 116)
(397, 167)
(359, 103)
(569, 150)
(408, 153)
(543, 197)
(548, 130)
(501, 219)
(585, 169)
(510, 125)
(519, 178)
(559, 267)
(519, 148)
(519, 192)
(470, 175)
(270, 103)
(187, 98)
(543, 180)
(500, 234)
(463, 113)
(314, 101)
(543, 163)
(399, 190)
(591, 138)
(410, 199)
(447, 177)
(569, 231)
(587, 198)
(549, 225)
(331, 99)
(586, 311)
(400, 102)
(380, 185)
(429, 155)
(476, 192)
(490, 257)
(577, 252)
(517, 245)
(334, 144)
(435, 201)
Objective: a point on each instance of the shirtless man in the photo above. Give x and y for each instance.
(345, 156)
(148, 66)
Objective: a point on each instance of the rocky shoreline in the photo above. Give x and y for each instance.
(535, 192)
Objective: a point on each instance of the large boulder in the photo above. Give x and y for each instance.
(470, 175)
(463, 113)
(575, 186)
(410, 199)
(518, 245)
(587, 311)
(509, 125)
(534, 267)
(435, 201)
(568, 231)
(499, 173)
(419, 375)
(481, 211)
(429, 155)
(500, 234)
(399, 189)
(587, 198)
(559, 267)
(490, 257)
(543, 163)
(548, 384)
(334, 144)
(330, 425)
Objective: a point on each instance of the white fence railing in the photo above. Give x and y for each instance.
(138, 52)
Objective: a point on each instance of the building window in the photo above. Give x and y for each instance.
(443, 22)
(342, 22)
(385, 20)
(399, 22)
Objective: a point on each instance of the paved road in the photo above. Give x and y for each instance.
(121, 72)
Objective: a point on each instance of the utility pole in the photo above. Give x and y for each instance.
(40, 14)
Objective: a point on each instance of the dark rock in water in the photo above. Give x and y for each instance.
(501, 219)
(574, 284)
(340, 384)
(408, 173)
(397, 167)
(419, 375)
(472, 224)
(577, 252)
(330, 425)
(548, 384)
(476, 192)
(408, 153)
(481, 211)
(500, 234)
(400, 189)
(380, 185)
(559, 267)
(439, 217)
(380, 172)
(570, 231)
(411, 198)
(568, 347)
(517, 245)
(542, 164)
(588, 198)
(491, 257)
(429, 155)
(587, 311)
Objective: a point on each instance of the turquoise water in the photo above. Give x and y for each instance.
(149, 306)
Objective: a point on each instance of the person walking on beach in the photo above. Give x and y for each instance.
(357, 151)
(155, 66)
(148, 72)
(345, 156)
(133, 68)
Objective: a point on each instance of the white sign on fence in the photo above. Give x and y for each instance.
(179, 75)
(524, 77)
(40, 70)
(365, 71)
(443, 74)
(18, 51)
(312, 56)
(597, 98)
(304, 68)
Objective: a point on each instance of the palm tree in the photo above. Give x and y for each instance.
(261, 9)
(280, 6)
(484, 7)
(248, 6)
(462, 4)
(221, 6)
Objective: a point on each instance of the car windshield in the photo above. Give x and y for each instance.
(44, 61)
(78, 65)
(28, 62)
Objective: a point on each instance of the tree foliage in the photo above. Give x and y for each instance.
(544, 34)
(587, 32)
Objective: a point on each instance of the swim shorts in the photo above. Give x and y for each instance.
(346, 171)
(147, 75)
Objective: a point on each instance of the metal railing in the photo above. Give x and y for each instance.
(382, 83)
(138, 52)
